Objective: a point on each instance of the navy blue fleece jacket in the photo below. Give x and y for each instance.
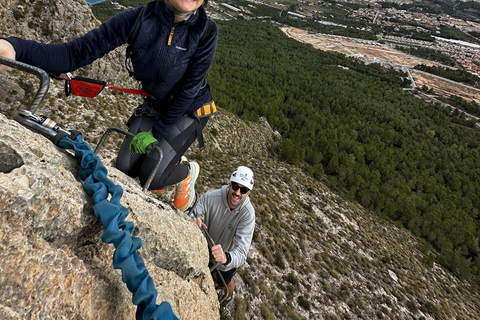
(173, 74)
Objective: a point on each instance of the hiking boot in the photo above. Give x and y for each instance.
(185, 190)
(226, 305)
(164, 194)
(184, 160)
(230, 301)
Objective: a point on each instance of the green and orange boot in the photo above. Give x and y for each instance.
(185, 189)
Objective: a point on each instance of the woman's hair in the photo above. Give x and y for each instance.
(205, 3)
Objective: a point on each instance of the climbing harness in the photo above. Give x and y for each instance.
(106, 204)
(152, 108)
(90, 88)
(86, 87)
(206, 110)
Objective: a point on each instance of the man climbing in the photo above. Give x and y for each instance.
(230, 220)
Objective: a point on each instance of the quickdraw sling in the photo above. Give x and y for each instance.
(90, 88)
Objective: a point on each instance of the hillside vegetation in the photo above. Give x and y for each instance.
(353, 125)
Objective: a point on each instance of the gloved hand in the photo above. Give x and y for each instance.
(143, 142)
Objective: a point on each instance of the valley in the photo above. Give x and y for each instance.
(375, 52)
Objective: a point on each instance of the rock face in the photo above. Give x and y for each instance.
(53, 264)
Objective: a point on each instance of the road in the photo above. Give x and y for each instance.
(375, 52)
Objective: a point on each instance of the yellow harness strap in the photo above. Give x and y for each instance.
(206, 110)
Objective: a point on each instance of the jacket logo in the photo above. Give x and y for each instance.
(230, 226)
(180, 48)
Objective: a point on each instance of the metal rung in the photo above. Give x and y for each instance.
(41, 75)
(211, 243)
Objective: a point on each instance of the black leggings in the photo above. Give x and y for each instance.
(173, 146)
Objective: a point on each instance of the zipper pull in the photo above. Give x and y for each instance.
(170, 36)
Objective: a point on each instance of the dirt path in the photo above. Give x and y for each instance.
(371, 51)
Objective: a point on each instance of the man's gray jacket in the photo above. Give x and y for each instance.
(233, 229)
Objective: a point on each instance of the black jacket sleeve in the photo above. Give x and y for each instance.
(67, 57)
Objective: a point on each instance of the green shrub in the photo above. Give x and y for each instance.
(241, 307)
(267, 254)
(290, 313)
(277, 299)
(265, 311)
(17, 14)
(332, 316)
(412, 306)
(265, 288)
(431, 309)
(279, 262)
(292, 278)
(303, 302)
(214, 132)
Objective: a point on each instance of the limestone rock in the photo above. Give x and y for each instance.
(9, 158)
(53, 263)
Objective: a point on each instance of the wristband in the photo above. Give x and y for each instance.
(229, 258)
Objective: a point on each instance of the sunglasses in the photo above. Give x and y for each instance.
(235, 187)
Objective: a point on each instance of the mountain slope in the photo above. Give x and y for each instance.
(314, 254)
(318, 256)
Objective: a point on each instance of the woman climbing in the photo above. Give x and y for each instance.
(171, 54)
